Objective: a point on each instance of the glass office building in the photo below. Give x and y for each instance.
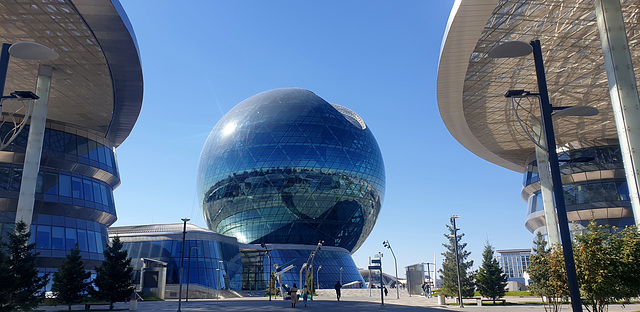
(93, 102)
(211, 260)
(594, 187)
(286, 167)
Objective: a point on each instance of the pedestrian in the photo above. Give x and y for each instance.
(294, 295)
(305, 294)
(385, 291)
(338, 287)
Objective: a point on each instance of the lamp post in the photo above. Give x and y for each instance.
(455, 242)
(301, 270)
(341, 276)
(263, 245)
(219, 269)
(189, 273)
(517, 49)
(184, 234)
(386, 244)
(318, 276)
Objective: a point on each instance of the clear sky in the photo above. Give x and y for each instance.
(378, 58)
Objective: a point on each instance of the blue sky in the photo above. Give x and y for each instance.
(378, 58)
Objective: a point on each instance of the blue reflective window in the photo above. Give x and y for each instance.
(64, 185)
(93, 150)
(43, 237)
(83, 149)
(88, 190)
(70, 144)
(105, 196)
(96, 193)
(57, 238)
(82, 240)
(101, 154)
(91, 239)
(99, 242)
(76, 186)
(71, 237)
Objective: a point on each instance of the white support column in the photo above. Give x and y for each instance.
(623, 92)
(546, 188)
(547, 194)
(31, 166)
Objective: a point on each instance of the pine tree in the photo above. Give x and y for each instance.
(491, 279)
(22, 288)
(448, 270)
(114, 279)
(70, 282)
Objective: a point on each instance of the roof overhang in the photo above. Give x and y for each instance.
(97, 81)
(471, 85)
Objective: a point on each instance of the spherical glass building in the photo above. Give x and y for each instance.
(286, 167)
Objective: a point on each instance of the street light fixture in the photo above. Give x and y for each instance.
(518, 49)
(189, 272)
(455, 242)
(386, 244)
(219, 269)
(184, 234)
(318, 276)
(263, 245)
(27, 51)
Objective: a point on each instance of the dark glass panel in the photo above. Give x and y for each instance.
(82, 240)
(43, 237)
(4, 178)
(64, 185)
(57, 238)
(96, 193)
(50, 183)
(71, 237)
(70, 144)
(83, 149)
(93, 150)
(88, 190)
(76, 186)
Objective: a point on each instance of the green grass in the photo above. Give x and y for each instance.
(510, 294)
(149, 297)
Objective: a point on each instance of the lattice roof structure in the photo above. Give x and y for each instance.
(471, 86)
(97, 80)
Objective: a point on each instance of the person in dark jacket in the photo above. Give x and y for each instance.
(338, 287)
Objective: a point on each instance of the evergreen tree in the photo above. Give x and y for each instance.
(448, 270)
(114, 279)
(491, 279)
(22, 288)
(70, 282)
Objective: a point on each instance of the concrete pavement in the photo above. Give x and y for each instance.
(352, 300)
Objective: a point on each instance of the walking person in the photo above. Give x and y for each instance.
(338, 287)
(385, 291)
(305, 294)
(294, 295)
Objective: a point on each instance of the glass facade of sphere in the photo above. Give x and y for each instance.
(285, 166)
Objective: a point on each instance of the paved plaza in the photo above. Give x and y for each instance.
(352, 300)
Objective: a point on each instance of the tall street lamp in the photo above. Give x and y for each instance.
(455, 242)
(386, 244)
(189, 273)
(263, 245)
(184, 234)
(517, 49)
(318, 276)
(219, 269)
(340, 275)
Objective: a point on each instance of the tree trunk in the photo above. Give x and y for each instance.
(111, 305)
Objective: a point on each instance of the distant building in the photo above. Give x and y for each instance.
(514, 263)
